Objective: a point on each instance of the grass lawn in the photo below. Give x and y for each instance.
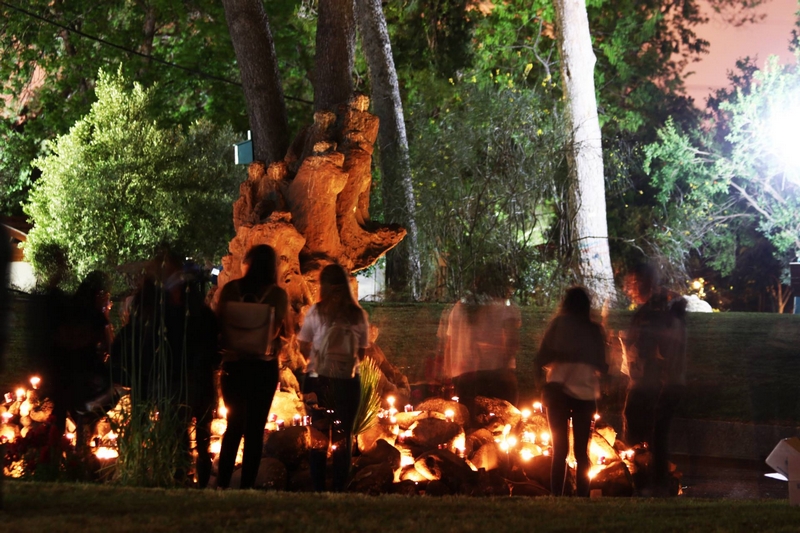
(742, 366)
(86, 508)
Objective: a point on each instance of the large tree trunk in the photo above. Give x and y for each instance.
(313, 208)
(336, 44)
(402, 263)
(585, 157)
(255, 53)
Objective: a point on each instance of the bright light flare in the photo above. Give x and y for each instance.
(784, 129)
(526, 413)
(35, 380)
(104, 452)
(20, 394)
(537, 407)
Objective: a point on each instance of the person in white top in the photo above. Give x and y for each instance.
(573, 354)
(334, 391)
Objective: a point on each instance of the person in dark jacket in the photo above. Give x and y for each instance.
(573, 355)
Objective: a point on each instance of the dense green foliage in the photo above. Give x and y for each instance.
(744, 172)
(119, 184)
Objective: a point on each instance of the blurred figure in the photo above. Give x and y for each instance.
(656, 350)
(5, 261)
(250, 346)
(573, 355)
(340, 392)
(481, 347)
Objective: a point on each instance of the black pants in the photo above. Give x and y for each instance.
(639, 415)
(247, 389)
(668, 400)
(560, 408)
(342, 396)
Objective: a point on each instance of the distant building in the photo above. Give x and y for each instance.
(21, 276)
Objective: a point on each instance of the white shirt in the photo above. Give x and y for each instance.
(314, 329)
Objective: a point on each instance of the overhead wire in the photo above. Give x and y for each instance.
(131, 51)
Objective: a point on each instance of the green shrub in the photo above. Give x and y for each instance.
(119, 184)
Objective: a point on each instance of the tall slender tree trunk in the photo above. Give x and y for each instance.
(587, 199)
(403, 262)
(248, 26)
(335, 54)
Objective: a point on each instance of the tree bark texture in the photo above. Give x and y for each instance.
(585, 156)
(335, 54)
(403, 262)
(312, 207)
(248, 26)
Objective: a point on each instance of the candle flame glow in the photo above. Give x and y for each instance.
(526, 413)
(390, 401)
(537, 406)
(35, 380)
(104, 452)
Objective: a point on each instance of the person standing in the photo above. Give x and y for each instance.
(336, 390)
(250, 343)
(573, 356)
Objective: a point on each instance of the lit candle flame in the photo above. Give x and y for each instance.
(537, 407)
(449, 415)
(455, 399)
(104, 452)
(390, 401)
(222, 411)
(7, 416)
(526, 454)
(597, 416)
(20, 394)
(526, 413)
(545, 436)
(35, 380)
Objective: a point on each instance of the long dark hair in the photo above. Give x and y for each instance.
(577, 303)
(335, 297)
(262, 270)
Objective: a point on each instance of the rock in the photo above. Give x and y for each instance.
(285, 405)
(614, 480)
(528, 488)
(445, 466)
(367, 440)
(271, 475)
(437, 488)
(489, 484)
(408, 487)
(290, 446)
(429, 433)
(383, 453)
(495, 413)
(478, 438)
(373, 479)
(440, 405)
(42, 412)
(487, 456)
(600, 450)
(300, 481)
(535, 424)
(538, 469)
(695, 305)
(410, 473)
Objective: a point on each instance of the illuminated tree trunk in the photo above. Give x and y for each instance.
(587, 203)
(255, 53)
(402, 263)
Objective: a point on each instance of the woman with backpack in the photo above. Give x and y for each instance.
(252, 311)
(573, 354)
(334, 339)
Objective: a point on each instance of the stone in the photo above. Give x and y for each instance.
(437, 488)
(495, 413)
(440, 405)
(373, 479)
(695, 305)
(487, 456)
(445, 466)
(383, 453)
(613, 480)
(271, 475)
(477, 438)
(367, 440)
(537, 469)
(408, 487)
(290, 446)
(528, 488)
(430, 433)
(489, 483)
(285, 405)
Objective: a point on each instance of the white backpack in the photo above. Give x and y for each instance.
(248, 326)
(337, 354)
